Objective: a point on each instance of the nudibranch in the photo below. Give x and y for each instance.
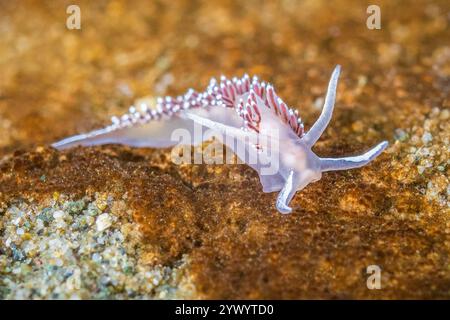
(250, 112)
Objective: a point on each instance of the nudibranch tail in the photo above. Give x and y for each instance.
(100, 136)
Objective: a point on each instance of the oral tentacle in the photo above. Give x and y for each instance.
(286, 194)
(333, 164)
(321, 124)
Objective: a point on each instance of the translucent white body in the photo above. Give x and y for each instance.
(297, 165)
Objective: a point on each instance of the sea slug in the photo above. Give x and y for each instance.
(253, 121)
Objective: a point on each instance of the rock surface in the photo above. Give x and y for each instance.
(118, 222)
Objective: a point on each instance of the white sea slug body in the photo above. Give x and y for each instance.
(251, 114)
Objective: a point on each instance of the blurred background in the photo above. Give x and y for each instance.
(75, 79)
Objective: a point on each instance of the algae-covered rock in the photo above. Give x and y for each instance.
(119, 222)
